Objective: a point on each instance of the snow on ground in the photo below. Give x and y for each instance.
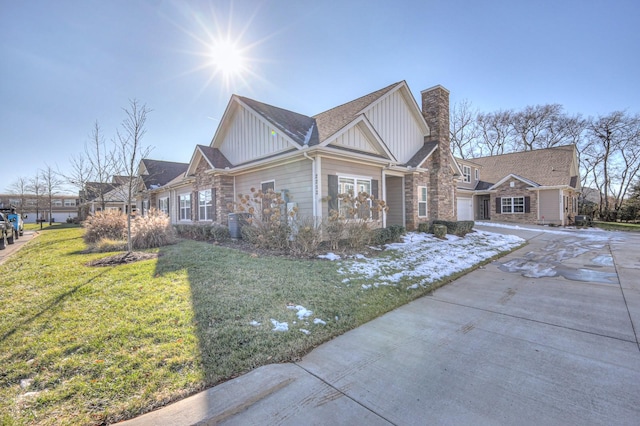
(422, 259)
(302, 311)
(329, 256)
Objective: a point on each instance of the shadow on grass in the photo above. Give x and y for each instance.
(49, 306)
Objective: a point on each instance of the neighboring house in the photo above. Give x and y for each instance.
(540, 187)
(63, 207)
(382, 143)
(154, 174)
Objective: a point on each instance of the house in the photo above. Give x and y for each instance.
(382, 143)
(538, 187)
(63, 207)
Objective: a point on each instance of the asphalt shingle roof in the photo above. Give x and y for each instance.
(161, 172)
(547, 167)
(331, 121)
(301, 128)
(215, 157)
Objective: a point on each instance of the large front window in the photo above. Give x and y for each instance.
(512, 204)
(185, 207)
(422, 201)
(353, 187)
(205, 206)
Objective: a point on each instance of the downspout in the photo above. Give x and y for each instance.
(314, 204)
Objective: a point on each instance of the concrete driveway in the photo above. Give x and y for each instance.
(546, 335)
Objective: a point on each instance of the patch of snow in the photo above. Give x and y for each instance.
(423, 259)
(319, 321)
(305, 331)
(329, 256)
(279, 326)
(307, 137)
(302, 311)
(255, 323)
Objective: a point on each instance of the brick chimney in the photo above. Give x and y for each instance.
(442, 188)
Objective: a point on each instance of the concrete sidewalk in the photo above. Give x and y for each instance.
(493, 347)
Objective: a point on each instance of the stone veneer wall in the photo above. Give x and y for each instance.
(520, 189)
(223, 186)
(441, 188)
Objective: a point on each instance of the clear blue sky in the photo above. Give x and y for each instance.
(65, 64)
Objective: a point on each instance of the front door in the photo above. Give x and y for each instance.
(485, 212)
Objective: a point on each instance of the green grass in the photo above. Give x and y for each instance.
(618, 226)
(100, 345)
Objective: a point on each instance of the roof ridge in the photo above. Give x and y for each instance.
(383, 91)
(572, 145)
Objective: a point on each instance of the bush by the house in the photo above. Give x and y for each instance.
(389, 234)
(439, 230)
(424, 227)
(459, 228)
(107, 231)
(203, 232)
(152, 230)
(108, 224)
(307, 237)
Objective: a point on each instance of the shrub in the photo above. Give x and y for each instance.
(424, 227)
(219, 232)
(105, 225)
(152, 230)
(333, 229)
(460, 228)
(389, 234)
(307, 238)
(439, 231)
(358, 234)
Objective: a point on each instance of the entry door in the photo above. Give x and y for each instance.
(485, 209)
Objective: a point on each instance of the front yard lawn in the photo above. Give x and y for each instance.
(90, 345)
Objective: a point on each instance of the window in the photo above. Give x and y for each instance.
(57, 203)
(512, 204)
(185, 207)
(477, 174)
(353, 186)
(163, 205)
(466, 171)
(31, 202)
(422, 201)
(14, 201)
(205, 206)
(145, 207)
(69, 203)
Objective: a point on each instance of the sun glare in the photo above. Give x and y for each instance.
(227, 58)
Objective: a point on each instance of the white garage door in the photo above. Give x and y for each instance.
(465, 208)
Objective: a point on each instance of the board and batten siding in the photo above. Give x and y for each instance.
(249, 137)
(294, 177)
(354, 139)
(549, 205)
(397, 126)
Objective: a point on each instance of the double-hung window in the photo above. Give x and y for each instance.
(512, 204)
(185, 206)
(422, 201)
(205, 205)
(163, 205)
(353, 187)
(466, 171)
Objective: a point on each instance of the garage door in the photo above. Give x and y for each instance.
(465, 208)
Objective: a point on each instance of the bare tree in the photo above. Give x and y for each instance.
(102, 166)
(51, 185)
(36, 187)
(495, 133)
(130, 151)
(464, 130)
(20, 188)
(79, 176)
(611, 156)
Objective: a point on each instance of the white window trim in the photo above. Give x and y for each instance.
(165, 210)
(426, 206)
(355, 183)
(466, 172)
(512, 205)
(200, 206)
(180, 208)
